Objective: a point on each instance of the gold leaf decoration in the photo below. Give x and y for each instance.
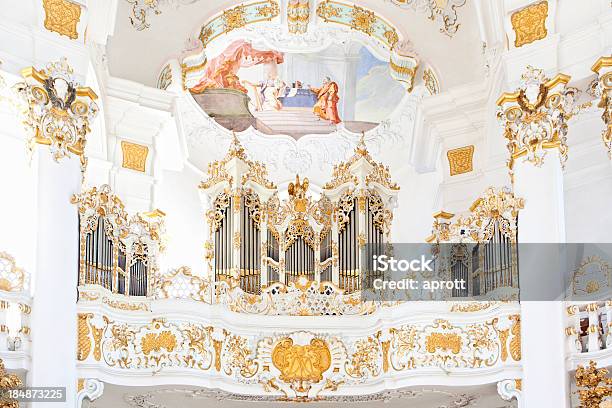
(529, 23)
(156, 342)
(301, 363)
(62, 17)
(445, 341)
(134, 156)
(83, 340)
(515, 343)
(460, 160)
(595, 383)
(503, 338)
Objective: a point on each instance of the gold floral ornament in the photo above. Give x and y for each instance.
(603, 68)
(594, 385)
(234, 18)
(535, 117)
(362, 20)
(59, 111)
(8, 382)
(62, 17)
(529, 23)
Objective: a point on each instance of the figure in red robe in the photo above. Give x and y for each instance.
(326, 107)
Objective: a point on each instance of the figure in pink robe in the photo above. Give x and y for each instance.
(222, 71)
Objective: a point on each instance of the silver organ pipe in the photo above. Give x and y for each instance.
(113, 251)
(459, 269)
(497, 261)
(138, 273)
(250, 261)
(326, 256)
(98, 256)
(299, 260)
(292, 250)
(475, 270)
(223, 237)
(272, 252)
(121, 269)
(349, 249)
(374, 234)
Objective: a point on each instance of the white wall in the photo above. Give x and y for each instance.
(17, 186)
(185, 220)
(412, 219)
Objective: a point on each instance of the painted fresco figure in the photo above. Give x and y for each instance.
(326, 107)
(222, 71)
(271, 91)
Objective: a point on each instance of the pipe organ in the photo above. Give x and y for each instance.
(256, 238)
(481, 248)
(116, 252)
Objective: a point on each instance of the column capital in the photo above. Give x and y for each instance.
(535, 117)
(603, 69)
(57, 111)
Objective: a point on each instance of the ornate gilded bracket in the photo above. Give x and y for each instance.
(59, 110)
(535, 117)
(603, 68)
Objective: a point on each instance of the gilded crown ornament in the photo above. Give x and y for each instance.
(603, 68)
(535, 117)
(59, 111)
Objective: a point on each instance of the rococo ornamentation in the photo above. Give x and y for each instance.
(603, 68)
(12, 277)
(297, 365)
(8, 382)
(495, 209)
(594, 385)
(535, 117)
(59, 111)
(443, 12)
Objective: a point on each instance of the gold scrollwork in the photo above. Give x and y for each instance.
(83, 339)
(515, 343)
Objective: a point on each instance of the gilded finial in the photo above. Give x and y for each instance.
(361, 148)
(236, 149)
(297, 192)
